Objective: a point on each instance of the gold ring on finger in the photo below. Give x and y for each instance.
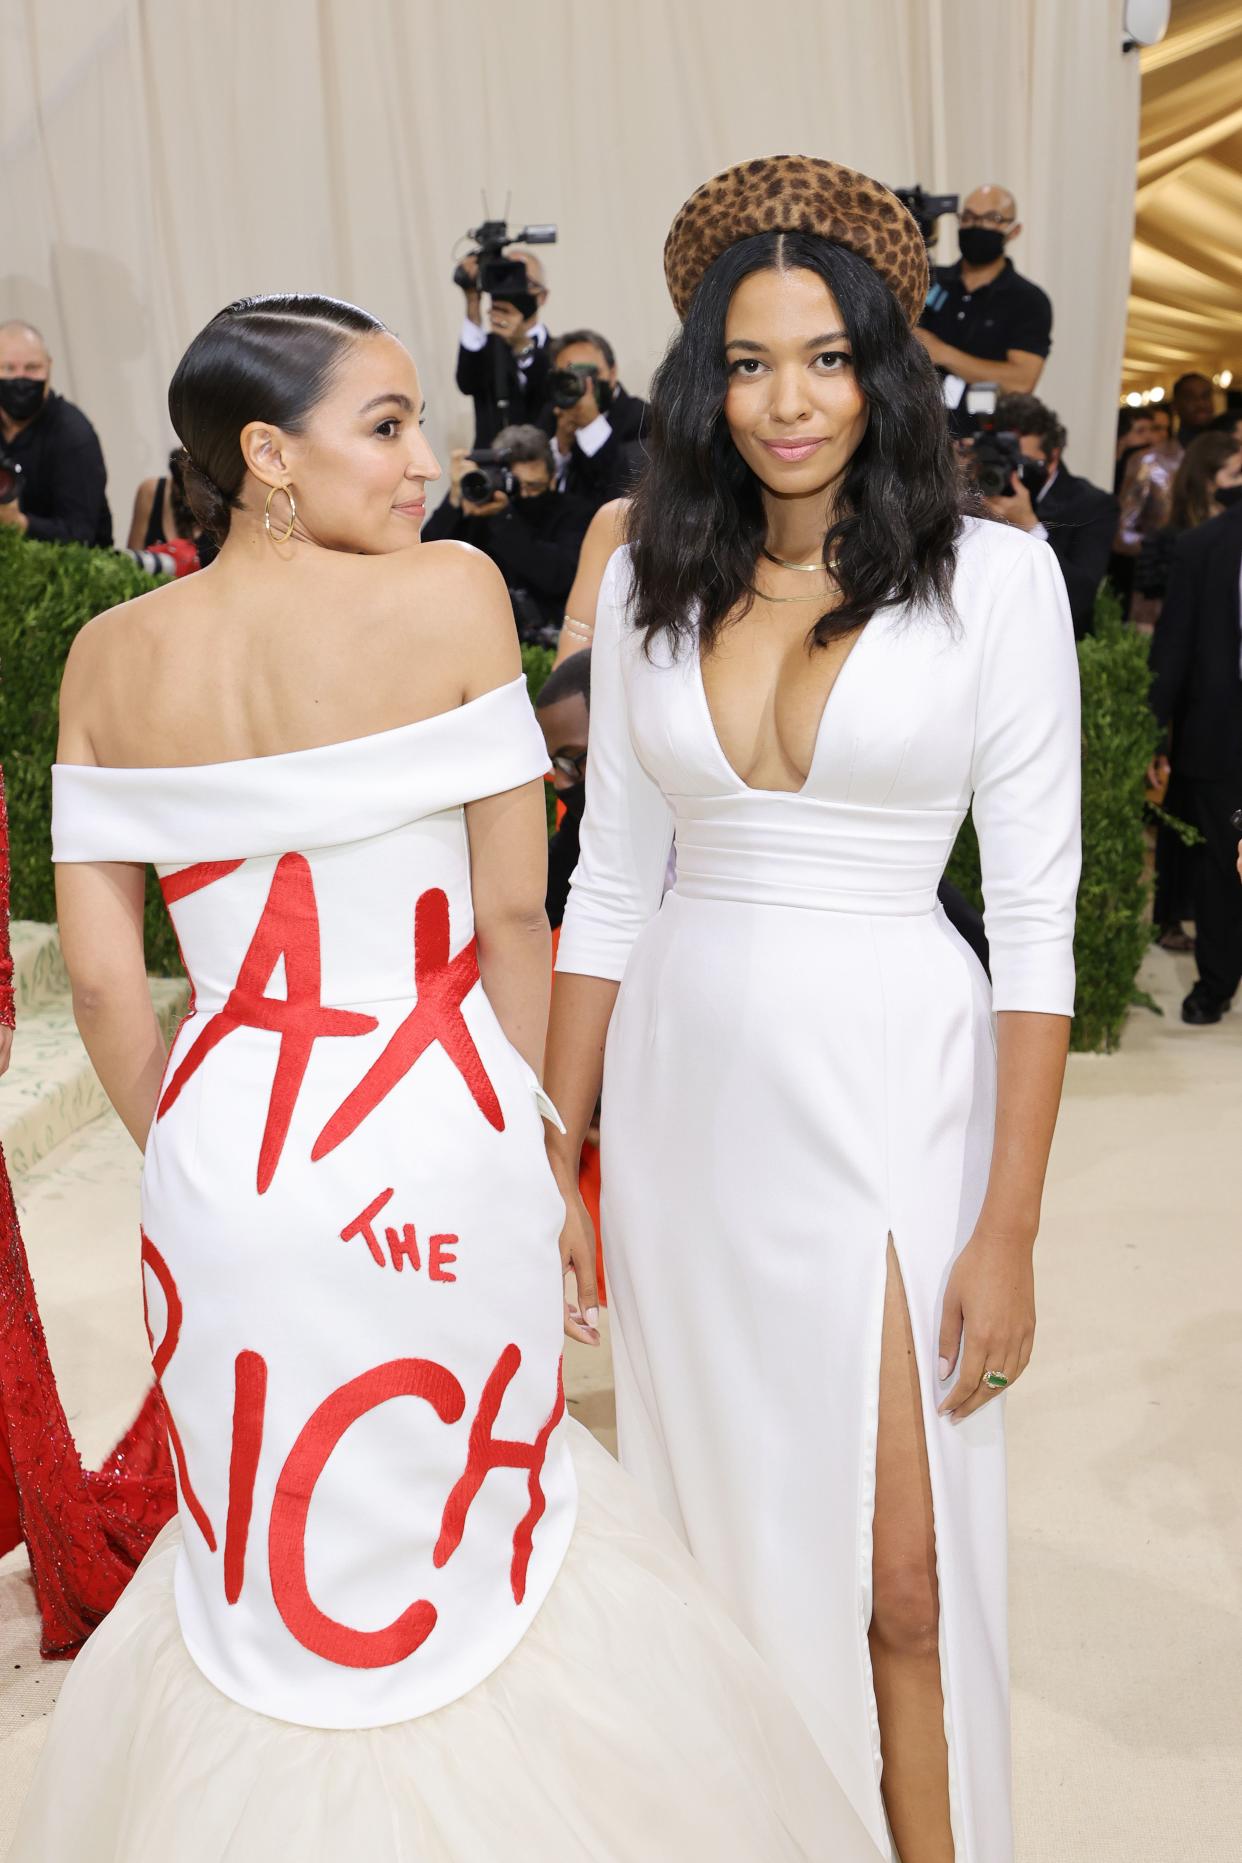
(995, 1380)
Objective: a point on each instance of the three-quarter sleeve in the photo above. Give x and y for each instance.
(1027, 780)
(627, 829)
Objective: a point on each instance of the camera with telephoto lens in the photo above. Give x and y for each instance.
(491, 475)
(10, 478)
(926, 209)
(503, 279)
(566, 387)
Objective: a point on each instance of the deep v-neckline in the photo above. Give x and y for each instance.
(757, 789)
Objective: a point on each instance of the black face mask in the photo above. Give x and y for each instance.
(980, 245)
(1228, 495)
(20, 397)
(533, 506)
(574, 799)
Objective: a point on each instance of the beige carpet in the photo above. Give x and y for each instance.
(1126, 1497)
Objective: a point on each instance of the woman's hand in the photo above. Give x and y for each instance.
(578, 1264)
(989, 1318)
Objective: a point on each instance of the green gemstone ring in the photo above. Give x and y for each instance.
(995, 1380)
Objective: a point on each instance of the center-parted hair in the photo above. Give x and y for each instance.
(697, 518)
(262, 358)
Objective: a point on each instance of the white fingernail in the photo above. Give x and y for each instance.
(944, 1369)
(592, 1316)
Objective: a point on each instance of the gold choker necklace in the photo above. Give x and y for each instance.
(805, 569)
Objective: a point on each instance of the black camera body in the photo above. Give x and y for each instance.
(993, 458)
(502, 278)
(491, 475)
(10, 478)
(566, 387)
(926, 208)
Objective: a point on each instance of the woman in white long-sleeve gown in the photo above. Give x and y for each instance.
(822, 1153)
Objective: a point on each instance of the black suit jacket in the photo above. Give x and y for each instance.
(1195, 653)
(1081, 522)
(526, 393)
(610, 472)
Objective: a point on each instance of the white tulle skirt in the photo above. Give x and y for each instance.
(633, 1724)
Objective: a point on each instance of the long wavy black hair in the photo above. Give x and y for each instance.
(697, 517)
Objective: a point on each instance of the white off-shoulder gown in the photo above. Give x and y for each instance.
(408, 1612)
(801, 1063)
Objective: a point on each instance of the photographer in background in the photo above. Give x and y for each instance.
(504, 368)
(61, 484)
(509, 508)
(1075, 517)
(984, 322)
(597, 428)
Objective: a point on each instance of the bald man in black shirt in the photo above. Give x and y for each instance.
(62, 490)
(984, 321)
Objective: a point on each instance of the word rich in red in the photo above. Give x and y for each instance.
(295, 1487)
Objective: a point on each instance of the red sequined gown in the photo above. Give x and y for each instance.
(85, 1533)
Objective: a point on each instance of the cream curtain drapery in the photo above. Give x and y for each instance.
(161, 157)
(1186, 290)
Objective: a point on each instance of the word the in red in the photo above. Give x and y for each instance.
(403, 1243)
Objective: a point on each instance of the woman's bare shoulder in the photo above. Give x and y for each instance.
(110, 653)
(129, 623)
(454, 600)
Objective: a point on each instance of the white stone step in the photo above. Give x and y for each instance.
(39, 974)
(51, 1090)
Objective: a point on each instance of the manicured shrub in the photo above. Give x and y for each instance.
(1118, 740)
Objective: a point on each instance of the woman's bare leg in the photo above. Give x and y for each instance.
(905, 1619)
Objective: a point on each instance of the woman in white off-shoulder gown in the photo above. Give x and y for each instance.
(408, 1611)
(804, 1208)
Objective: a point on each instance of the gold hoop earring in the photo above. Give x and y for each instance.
(267, 514)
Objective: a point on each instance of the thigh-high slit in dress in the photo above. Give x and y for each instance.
(801, 1063)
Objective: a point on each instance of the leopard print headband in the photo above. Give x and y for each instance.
(797, 193)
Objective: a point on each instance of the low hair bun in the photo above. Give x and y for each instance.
(211, 508)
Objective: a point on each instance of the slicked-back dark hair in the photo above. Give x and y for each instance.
(262, 358)
(697, 517)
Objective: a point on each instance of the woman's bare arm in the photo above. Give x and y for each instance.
(605, 533)
(574, 1062)
(144, 499)
(508, 833)
(509, 878)
(99, 909)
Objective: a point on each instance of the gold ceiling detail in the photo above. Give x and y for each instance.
(1186, 274)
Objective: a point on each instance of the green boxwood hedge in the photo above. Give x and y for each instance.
(1118, 740)
(47, 591)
